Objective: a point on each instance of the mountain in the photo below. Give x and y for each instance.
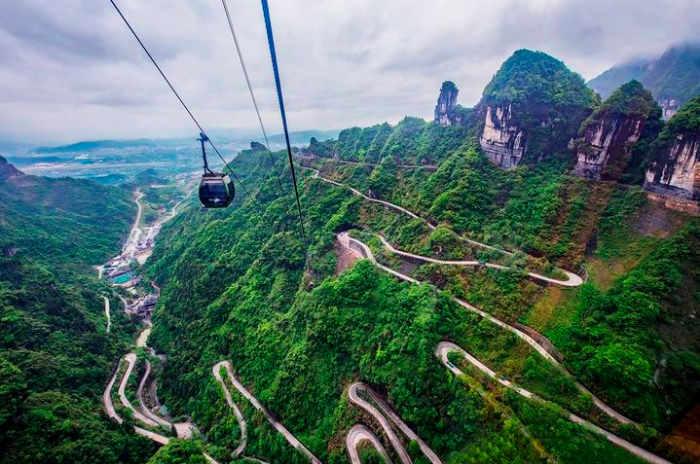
(7, 170)
(54, 352)
(609, 136)
(93, 145)
(531, 109)
(236, 287)
(673, 78)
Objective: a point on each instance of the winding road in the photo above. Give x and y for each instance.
(381, 412)
(358, 434)
(364, 251)
(443, 348)
(442, 352)
(291, 439)
(572, 279)
(236, 410)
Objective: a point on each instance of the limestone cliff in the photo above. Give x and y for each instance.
(674, 175)
(501, 138)
(608, 136)
(531, 109)
(447, 111)
(606, 144)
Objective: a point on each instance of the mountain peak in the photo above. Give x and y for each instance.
(7, 170)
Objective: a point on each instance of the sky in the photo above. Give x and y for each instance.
(70, 70)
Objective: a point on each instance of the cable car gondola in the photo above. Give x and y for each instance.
(216, 189)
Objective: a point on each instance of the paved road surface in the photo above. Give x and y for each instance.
(444, 348)
(572, 280)
(381, 417)
(364, 251)
(291, 439)
(239, 416)
(356, 435)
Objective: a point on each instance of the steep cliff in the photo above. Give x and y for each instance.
(673, 78)
(608, 136)
(447, 111)
(674, 176)
(531, 109)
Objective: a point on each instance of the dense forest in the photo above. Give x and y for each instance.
(54, 352)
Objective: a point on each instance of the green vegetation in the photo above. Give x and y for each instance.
(674, 75)
(235, 286)
(54, 354)
(529, 77)
(411, 142)
(687, 120)
(179, 452)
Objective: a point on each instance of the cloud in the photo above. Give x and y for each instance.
(71, 70)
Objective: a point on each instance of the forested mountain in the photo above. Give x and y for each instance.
(673, 78)
(54, 351)
(234, 288)
(526, 298)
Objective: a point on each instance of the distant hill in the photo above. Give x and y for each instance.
(93, 145)
(7, 170)
(673, 78)
(63, 221)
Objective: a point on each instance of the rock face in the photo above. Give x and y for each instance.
(674, 175)
(670, 107)
(676, 171)
(609, 134)
(501, 139)
(531, 110)
(447, 112)
(607, 144)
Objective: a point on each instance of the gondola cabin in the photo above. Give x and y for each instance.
(216, 190)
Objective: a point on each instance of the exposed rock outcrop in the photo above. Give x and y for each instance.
(606, 145)
(531, 109)
(670, 107)
(446, 103)
(447, 111)
(501, 139)
(609, 134)
(674, 175)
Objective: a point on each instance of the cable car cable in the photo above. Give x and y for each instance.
(278, 85)
(167, 81)
(255, 102)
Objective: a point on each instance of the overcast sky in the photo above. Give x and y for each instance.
(70, 70)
